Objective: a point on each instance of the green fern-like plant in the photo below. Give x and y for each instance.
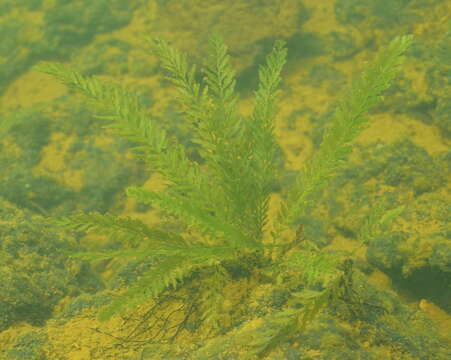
(226, 199)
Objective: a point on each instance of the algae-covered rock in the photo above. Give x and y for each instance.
(35, 272)
(28, 345)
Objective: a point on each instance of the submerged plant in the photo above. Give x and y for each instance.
(225, 200)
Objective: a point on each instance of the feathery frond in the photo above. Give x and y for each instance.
(347, 123)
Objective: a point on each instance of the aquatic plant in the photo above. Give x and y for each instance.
(225, 201)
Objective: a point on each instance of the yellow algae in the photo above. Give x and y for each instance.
(380, 279)
(11, 149)
(27, 89)
(8, 336)
(80, 339)
(440, 316)
(53, 162)
(388, 129)
(52, 159)
(323, 13)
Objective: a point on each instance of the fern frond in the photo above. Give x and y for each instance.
(291, 321)
(217, 129)
(312, 266)
(164, 273)
(244, 162)
(348, 121)
(133, 121)
(192, 101)
(153, 282)
(266, 96)
(261, 131)
(128, 230)
(193, 214)
(111, 254)
(220, 76)
(212, 296)
(378, 219)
